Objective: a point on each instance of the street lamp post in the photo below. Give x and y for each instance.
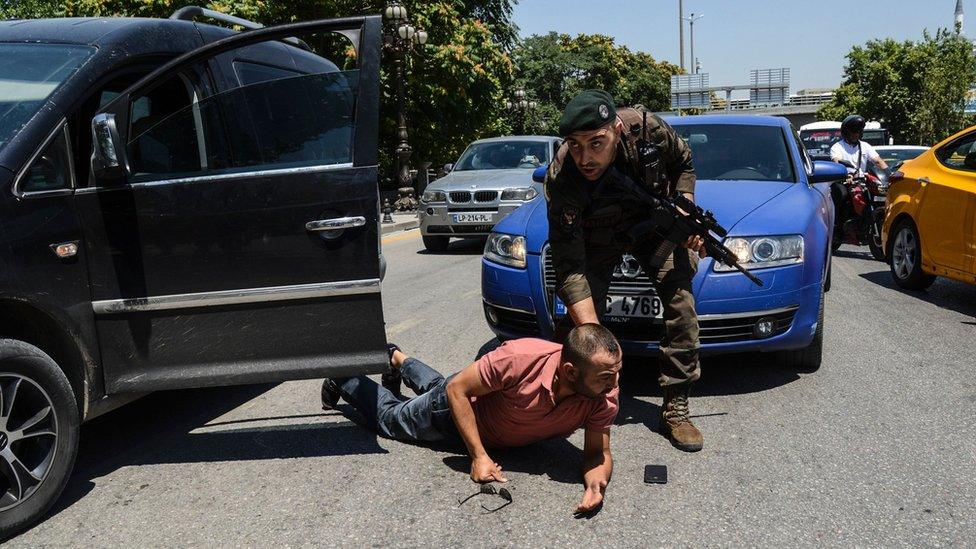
(519, 106)
(400, 40)
(681, 33)
(691, 23)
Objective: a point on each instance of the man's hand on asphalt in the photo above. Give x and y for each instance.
(484, 469)
(592, 499)
(696, 244)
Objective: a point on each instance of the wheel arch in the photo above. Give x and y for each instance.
(29, 323)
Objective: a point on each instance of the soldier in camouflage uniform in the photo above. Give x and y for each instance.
(591, 222)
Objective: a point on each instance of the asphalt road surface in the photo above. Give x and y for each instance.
(878, 448)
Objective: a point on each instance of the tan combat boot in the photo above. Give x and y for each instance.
(675, 423)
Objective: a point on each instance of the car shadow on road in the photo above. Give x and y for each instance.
(944, 293)
(734, 374)
(861, 253)
(174, 427)
(465, 246)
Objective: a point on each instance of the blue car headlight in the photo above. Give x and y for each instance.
(759, 252)
(506, 249)
(523, 195)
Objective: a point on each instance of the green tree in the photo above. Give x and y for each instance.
(555, 67)
(454, 86)
(916, 89)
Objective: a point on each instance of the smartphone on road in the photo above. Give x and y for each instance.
(655, 474)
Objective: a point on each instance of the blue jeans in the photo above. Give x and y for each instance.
(426, 417)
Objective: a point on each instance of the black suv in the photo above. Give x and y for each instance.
(182, 205)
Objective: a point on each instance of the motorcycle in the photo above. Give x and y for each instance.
(859, 223)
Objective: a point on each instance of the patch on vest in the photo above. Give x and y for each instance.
(569, 218)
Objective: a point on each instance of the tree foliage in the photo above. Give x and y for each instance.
(455, 85)
(916, 89)
(555, 67)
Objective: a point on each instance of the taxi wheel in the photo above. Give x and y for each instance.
(905, 257)
(39, 430)
(436, 243)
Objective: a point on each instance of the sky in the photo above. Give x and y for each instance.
(810, 37)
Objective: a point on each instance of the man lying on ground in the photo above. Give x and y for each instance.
(525, 391)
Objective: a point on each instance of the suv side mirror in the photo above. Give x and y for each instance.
(106, 154)
(539, 175)
(827, 172)
(448, 168)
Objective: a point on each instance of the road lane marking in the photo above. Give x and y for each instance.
(401, 327)
(398, 237)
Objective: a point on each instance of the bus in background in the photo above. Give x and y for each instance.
(818, 137)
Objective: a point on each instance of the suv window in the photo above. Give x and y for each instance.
(960, 154)
(51, 170)
(300, 120)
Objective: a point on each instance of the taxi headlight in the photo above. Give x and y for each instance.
(523, 195)
(433, 196)
(759, 252)
(506, 249)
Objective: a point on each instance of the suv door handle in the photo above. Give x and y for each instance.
(335, 224)
(924, 181)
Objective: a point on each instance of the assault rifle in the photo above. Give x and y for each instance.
(674, 219)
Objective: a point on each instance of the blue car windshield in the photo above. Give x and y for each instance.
(728, 152)
(504, 155)
(29, 74)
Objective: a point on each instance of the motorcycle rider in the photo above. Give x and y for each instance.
(857, 153)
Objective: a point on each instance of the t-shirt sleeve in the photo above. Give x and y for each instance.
(497, 368)
(604, 413)
(871, 152)
(836, 152)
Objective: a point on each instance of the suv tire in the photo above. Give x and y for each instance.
(905, 257)
(809, 358)
(436, 243)
(35, 394)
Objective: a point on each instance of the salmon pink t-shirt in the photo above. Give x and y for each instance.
(519, 410)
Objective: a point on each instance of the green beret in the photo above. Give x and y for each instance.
(590, 110)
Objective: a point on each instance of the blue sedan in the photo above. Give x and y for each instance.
(756, 177)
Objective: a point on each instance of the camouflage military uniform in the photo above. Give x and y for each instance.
(588, 231)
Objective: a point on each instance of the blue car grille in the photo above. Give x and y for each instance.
(620, 284)
(712, 328)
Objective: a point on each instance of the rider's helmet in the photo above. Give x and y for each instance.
(853, 124)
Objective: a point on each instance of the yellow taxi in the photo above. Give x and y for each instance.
(930, 224)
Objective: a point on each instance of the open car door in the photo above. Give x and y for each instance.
(232, 219)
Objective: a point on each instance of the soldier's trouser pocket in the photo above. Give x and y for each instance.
(679, 346)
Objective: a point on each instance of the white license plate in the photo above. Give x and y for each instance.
(625, 306)
(472, 218)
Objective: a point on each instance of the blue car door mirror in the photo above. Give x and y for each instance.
(539, 175)
(825, 172)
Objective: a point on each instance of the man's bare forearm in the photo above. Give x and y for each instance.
(463, 414)
(583, 312)
(597, 471)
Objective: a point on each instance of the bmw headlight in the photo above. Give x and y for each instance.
(524, 195)
(506, 249)
(434, 196)
(758, 252)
